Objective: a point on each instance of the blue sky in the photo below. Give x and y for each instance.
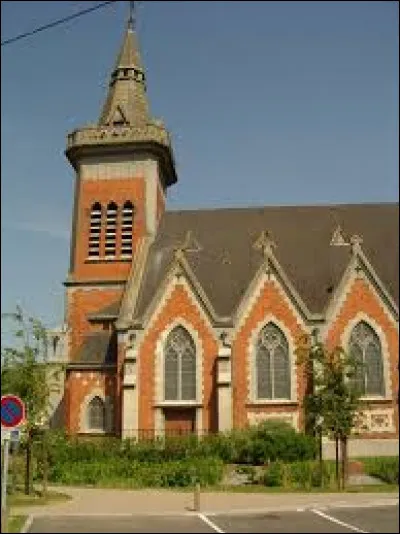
(267, 103)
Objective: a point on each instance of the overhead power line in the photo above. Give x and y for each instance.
(55, 23)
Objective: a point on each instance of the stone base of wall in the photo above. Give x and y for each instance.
(364, 447)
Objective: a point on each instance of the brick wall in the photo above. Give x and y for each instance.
(80, 385)
(82, 302)
(105, 191)
(270, 302)
(178, 305)
(361, 299)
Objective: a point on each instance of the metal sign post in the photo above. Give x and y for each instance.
(12, 415)
(6, 458)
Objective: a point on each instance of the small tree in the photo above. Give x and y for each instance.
(332, 404)
(24, 372)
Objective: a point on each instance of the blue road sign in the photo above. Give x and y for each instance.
(12, 411)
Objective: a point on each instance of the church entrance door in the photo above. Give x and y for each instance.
(179, 421)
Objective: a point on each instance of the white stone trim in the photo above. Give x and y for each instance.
(152, 181)
(173, 281)
(109, 167)
(257, 286)
(255, 418)
(158, 400)
(251, 367)
(109, 412)
(376, 420)
(343, 291)
(345, 338)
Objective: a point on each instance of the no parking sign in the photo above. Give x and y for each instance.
(12, 411)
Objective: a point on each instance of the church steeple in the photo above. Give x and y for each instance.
(126, 103)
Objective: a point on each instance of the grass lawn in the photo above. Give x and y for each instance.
(20, 499)
(15, 523)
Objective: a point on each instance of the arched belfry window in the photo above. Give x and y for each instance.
(96, 414)
(272, 364)
(179, 366)
(111, 229)
(365, 347)
(95, 230)
(127, 229)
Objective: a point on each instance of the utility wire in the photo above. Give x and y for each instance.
(55, 23)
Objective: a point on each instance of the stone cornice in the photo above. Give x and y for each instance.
(152, 136)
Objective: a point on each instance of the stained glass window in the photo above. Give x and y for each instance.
(365, 347)
(179, 366)
(272, 364)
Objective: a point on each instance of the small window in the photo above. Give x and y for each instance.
(96, 414)
(127, 229)
(111, 230)
(95, 230)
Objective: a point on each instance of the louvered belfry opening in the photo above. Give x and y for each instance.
(111, 230)
(95, 230)
(127, 229)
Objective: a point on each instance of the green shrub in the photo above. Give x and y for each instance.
(183, 473)
(274, 474)
(276, 440)
(385, 468)
(256, 445)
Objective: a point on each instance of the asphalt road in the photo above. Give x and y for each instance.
(373, 519)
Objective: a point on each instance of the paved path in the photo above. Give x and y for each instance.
(87, 501)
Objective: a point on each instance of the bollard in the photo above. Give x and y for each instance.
(196, 503)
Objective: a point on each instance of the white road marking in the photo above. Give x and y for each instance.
(334, 520)
(210, 523)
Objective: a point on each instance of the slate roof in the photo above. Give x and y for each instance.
(110, 311)
(97, 348)
(228, 261)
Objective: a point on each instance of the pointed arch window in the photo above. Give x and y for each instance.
(96, 414)
(366, 348)
(272, 364)
(95, 230)
(111, 230)
(127, 229)
(179, 366)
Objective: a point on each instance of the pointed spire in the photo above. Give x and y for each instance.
(126, 103)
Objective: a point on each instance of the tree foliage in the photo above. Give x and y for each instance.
(332, 405)
(24, 369)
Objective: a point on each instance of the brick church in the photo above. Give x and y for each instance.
(187, 321)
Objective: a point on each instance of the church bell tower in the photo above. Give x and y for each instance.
(123, 167)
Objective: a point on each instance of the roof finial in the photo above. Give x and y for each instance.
(131, 19)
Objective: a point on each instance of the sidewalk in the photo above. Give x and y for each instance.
(87, 501)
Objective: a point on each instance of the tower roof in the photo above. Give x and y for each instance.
(126, 103)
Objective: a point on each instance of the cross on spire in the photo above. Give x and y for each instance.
(131, 19)
(265, 243)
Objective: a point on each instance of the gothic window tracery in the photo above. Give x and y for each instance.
(365, 347)
(272, 366)
(179, 366)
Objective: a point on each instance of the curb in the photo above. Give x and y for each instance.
(27, 524)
